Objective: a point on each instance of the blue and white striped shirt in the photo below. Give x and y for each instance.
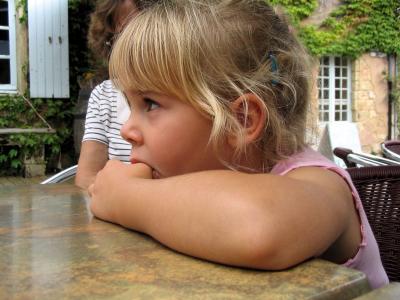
(107, 111)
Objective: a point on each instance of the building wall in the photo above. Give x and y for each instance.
(369, 90)
(369, 103)
(370, 100)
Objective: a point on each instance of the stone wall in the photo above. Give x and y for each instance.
(370, 100)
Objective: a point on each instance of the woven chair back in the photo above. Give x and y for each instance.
(379, 190)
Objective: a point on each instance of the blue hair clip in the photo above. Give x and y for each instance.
(274, 66)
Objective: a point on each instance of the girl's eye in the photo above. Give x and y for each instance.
(151, 104)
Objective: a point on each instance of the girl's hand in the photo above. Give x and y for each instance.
(109, 187)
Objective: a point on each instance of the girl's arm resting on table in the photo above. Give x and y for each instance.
(260, 220)
(93, 157)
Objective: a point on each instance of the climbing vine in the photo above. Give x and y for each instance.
(22, 7)
(355, 27)
(297, 9)
(15, 113)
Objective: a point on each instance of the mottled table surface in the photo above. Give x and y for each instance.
(51, 247)
(387, 292)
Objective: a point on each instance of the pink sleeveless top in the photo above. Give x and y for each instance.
(367, 259)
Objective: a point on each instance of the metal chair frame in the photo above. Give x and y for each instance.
(390, 153)
(62, 176)
(354, 159)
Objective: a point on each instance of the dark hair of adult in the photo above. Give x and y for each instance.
(102, 29)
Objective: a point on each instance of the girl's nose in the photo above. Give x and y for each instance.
(131, 133)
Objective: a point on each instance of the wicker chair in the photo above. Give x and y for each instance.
(379, 190)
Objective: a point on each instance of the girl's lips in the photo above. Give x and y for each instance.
(136, 161)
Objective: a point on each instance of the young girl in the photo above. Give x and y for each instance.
(220, 169)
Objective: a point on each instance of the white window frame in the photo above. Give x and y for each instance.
(332, 90)
(12, 86)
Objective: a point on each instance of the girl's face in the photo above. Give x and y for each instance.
(169, 135)
(126, 9)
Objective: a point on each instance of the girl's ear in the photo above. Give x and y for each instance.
(251, 113)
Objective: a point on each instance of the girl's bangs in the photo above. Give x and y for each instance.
(145, 58)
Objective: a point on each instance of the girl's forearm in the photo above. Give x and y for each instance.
(228, 217)
(202, 214)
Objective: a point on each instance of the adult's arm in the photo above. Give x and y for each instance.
(93, 158)
(253, 220)
(94, 150)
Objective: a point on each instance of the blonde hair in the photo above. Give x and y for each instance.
(209, 53)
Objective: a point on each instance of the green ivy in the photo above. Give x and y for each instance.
(297, 9)
(23, 5)
(16, 113)
(353, 28)
(356, 27)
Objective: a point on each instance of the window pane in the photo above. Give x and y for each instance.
(4, 43)
(5, 71)
(333, 91)
(3, 13)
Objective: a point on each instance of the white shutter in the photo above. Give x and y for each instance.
(48, 48)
